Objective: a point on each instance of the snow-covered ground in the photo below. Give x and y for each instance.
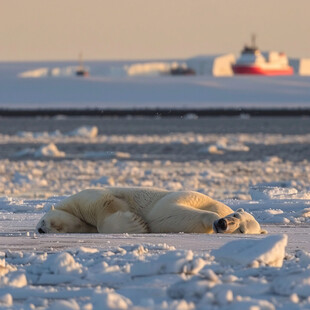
(261, 165)
(109, 86)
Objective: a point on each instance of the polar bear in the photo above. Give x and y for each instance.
(144, 210)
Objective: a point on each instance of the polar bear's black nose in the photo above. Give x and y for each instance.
(222, 223)
(41, 231)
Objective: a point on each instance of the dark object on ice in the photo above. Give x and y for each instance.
(81, 71)
(182, 71)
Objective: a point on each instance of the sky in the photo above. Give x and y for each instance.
(146, 29)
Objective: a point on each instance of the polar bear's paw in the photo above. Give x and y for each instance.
(123, 222)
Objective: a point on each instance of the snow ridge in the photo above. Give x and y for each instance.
(131, 276)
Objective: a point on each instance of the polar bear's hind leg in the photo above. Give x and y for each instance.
(123, 222)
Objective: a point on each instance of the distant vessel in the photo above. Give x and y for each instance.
(182, 70)
(252, 61)
(81, 71)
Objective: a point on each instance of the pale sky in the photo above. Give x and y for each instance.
(145, 29)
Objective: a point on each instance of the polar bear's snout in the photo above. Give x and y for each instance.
(40, 227)
(222, 224)
(239, 222)
(227, 224)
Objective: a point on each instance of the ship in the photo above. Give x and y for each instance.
(81, 70)
(252, 61)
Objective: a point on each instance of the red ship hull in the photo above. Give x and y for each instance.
(239, 69)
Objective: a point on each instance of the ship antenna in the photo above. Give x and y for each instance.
(81, 62)
(253, 40)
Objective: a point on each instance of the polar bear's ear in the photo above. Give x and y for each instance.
(263, 231)
(240, 210)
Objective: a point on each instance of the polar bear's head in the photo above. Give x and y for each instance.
(239, 222)
(58, 221)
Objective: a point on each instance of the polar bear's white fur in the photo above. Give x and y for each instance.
(144, 210)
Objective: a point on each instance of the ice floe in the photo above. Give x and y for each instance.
(160, 277)
(45, 151)
(269, 251)
(133, 271)
(85, 132)
(277, 191)
(220, 180)
(224, 144)
(49, 150)
(232, 142)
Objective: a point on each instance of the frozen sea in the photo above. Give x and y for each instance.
(53, 85)
(259, 164)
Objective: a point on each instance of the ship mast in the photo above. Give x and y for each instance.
(253, 40)
(81, 64)
(81, 71)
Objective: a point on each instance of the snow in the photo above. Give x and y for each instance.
(109, 87)
(48, 72)
(49, 150)
(153, 275)
(276, 191)
(151, 68)
(157, 277)
(225, 166)
(225, 144)
(264, 171)
(6, 300)
(85, 132)
(266, 252)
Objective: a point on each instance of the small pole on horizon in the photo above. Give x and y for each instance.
(253, 39)
(81, 65)
(81, 71)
